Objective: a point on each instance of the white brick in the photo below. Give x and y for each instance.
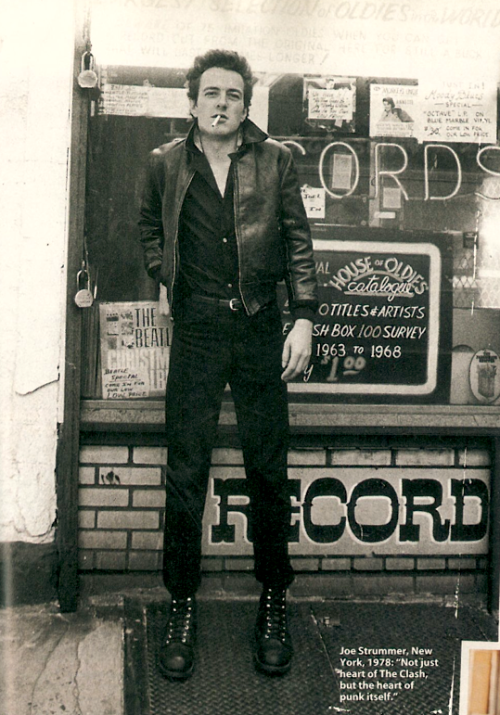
(212, 564)
(86, 475)
(362, 457)
(143, 561)
(336, 564)
(85, 560)
(305, 564)
(111, 561)
(147, 540)
(148, 497)
(128, 520)
(368, 563)
(101, 496)
(461, 564)
(474, 458)
(150, 455)
(96, 539)
(103, 455)
(86, 519)
(238, 564)
(139, 476)
(425, 457)
(307, 457)
(399, 564)
(431, 564)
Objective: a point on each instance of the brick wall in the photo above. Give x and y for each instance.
(121, 517)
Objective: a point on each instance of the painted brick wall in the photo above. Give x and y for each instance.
(121, 517)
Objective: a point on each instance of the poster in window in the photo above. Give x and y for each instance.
(135, 350)
(393, 110)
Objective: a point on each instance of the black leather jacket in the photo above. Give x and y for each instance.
(272, 231)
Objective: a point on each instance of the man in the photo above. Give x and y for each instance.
(222, 221)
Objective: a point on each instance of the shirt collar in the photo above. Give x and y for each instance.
(250, 134)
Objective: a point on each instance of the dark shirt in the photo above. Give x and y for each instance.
(207, 240)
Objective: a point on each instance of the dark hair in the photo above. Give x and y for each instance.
(389, 100)
(226, 60)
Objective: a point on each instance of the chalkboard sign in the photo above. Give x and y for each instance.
(383, 329)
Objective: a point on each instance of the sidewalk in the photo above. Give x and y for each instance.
(53, 663)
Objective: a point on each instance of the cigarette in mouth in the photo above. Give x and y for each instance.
(216, 120)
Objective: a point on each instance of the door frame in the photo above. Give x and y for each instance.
(69, 429)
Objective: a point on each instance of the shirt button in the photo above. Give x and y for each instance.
(229, 285)
(224, 240)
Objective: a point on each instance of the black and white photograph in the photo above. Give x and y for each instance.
(250, 357)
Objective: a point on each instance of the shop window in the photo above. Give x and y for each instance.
(377, 189)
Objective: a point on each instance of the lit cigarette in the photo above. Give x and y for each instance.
(216, 120)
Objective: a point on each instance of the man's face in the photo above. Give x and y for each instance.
(220, 95)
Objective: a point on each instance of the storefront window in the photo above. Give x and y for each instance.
(400, 174)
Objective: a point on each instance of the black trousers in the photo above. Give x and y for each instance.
(213, 346)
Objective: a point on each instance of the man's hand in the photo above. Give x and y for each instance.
(297, 349)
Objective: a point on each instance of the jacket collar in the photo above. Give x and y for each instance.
(252, 134)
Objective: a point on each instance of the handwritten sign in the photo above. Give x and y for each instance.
(379, 320)
(330, 104)
(330, 101)
(143, 101)
(459, 111)
(135, 350)
(314, 201)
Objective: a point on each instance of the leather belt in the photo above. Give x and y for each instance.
(234, 304)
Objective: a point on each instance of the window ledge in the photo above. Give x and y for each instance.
(149, 415)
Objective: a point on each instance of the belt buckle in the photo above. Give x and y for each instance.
(232, 304)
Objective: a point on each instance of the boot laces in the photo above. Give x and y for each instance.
(273, 609)
(181, 620)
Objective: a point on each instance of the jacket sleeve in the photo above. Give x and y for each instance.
(301, 271)
(150, 221)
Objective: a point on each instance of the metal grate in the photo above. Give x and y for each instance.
(225, 681)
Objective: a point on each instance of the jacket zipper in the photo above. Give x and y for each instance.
(237, 232)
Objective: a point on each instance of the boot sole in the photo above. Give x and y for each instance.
(271, 669)
(174, 674)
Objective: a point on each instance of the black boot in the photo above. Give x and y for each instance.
(176, 653)
(274, 650)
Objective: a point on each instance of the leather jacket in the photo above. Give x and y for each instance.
(272, 232)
